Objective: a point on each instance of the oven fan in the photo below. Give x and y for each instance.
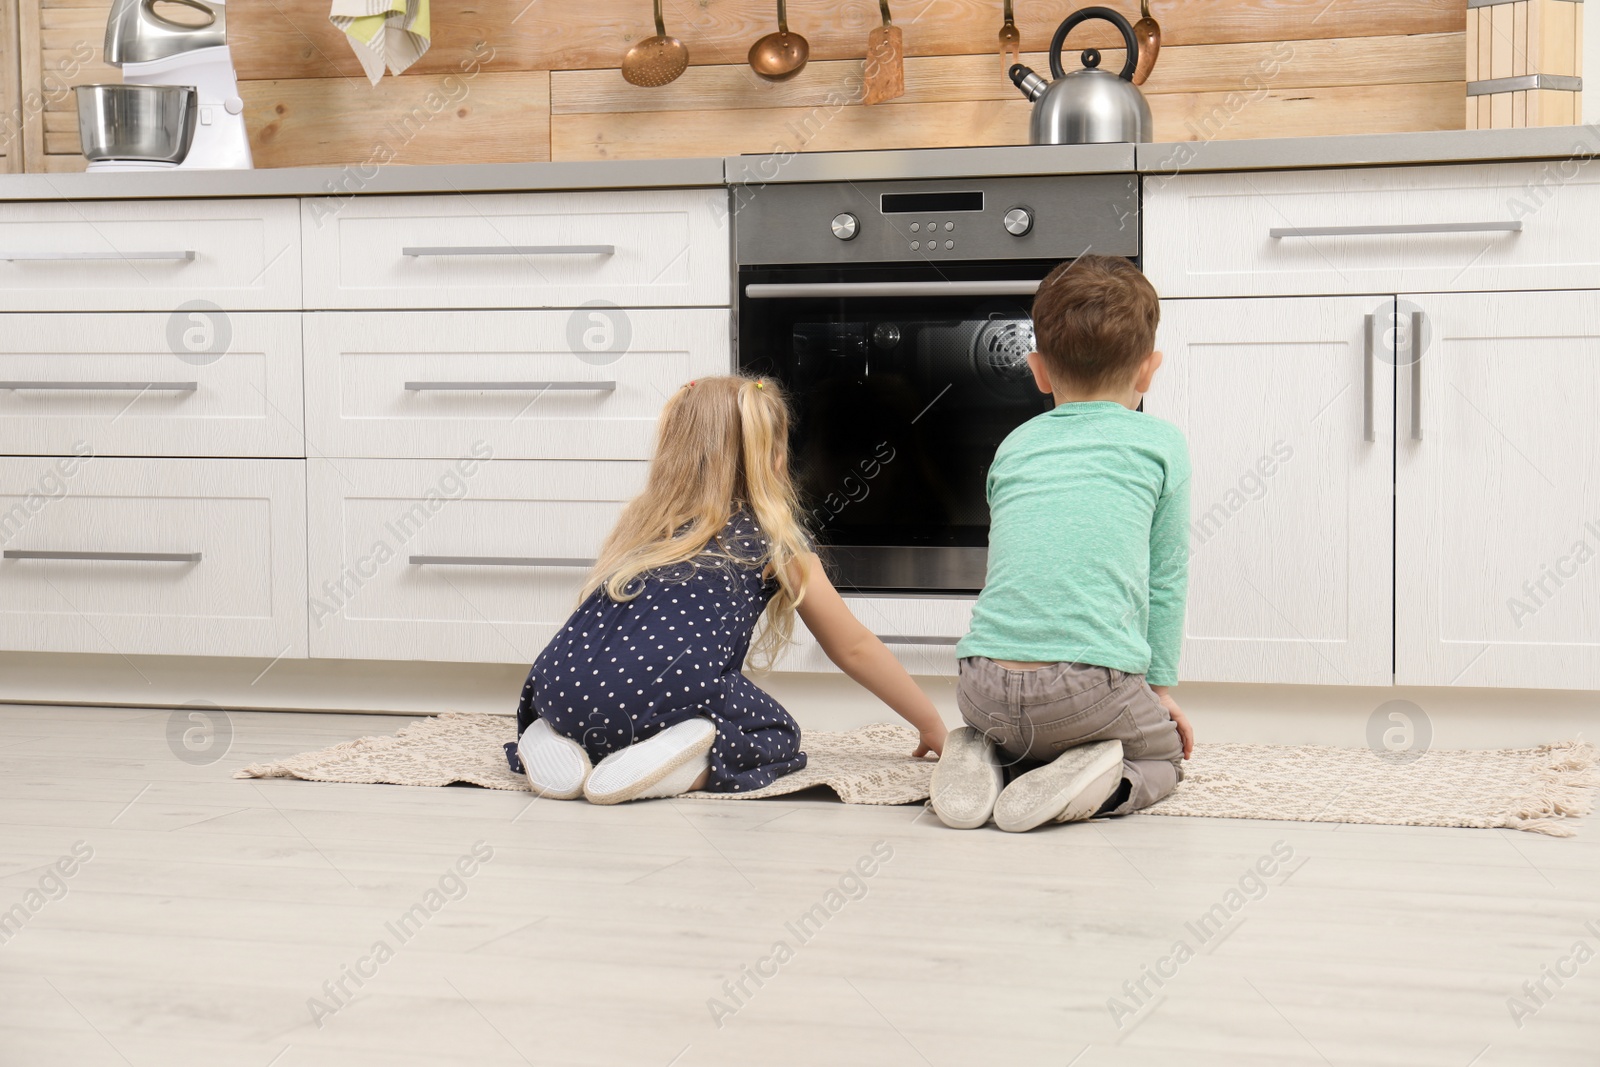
(1000, 351)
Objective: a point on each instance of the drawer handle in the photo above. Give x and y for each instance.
(1404, 227)
(115, 557)
(186, 255)
(414, 251)
(140, 387)
(917, 639)
(499, 561)
(571, 387)
(802, 290)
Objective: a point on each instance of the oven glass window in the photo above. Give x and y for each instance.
(899, 404)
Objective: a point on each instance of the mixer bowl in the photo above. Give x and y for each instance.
(148, 123)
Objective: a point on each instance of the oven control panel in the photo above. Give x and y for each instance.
(929, 221)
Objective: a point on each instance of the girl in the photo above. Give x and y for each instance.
(641, 694)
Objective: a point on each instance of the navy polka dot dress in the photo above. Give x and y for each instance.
(620, 673)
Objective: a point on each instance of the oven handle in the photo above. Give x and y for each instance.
(799, 290)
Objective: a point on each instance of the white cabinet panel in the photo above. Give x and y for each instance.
(533, 384)
(218, 384)
(228, 580)
(1498, 503)
(1212, 234)
(1291, 520)
(460, 560)
(149, 255)
(634, 249)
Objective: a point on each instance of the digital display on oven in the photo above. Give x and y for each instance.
(918, 203)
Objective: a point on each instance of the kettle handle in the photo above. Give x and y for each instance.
(1084, 15)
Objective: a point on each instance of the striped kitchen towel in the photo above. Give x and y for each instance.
(384, 34)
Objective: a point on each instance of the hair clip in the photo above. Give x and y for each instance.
(760, 384)
(689, 386)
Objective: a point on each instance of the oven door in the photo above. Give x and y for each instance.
(903, 381)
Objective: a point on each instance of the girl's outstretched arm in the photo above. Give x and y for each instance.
(857, 651)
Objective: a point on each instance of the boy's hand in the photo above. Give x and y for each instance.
(1179, 719)
(931, 740)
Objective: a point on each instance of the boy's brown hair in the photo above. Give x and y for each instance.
(1094, 320)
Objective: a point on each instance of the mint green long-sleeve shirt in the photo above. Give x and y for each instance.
(1088, 543)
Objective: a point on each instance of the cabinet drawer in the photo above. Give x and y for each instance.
(461, 560)
(203, 384)
(197, 557)
(582, 384)
(921, 632)
(1416, 229)
(149, 255)
(518, 250)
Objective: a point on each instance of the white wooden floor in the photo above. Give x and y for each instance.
(213, 910)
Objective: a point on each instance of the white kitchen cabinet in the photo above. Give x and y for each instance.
(209, 384)
(1374, 230)
(464, 560)
(199, 557)
(1287, 405)
(519, 250)
(1497, 523)
(149, 255)
(582, 384)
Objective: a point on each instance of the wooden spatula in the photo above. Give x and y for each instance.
(884, 77)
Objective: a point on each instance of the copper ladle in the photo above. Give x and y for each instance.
(1147, 31)
(655, 60)
(782, 54)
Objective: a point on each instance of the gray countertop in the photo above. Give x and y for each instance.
(1390, 149)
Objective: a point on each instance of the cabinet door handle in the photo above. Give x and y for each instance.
(499, 561)
(917, 639)
(570, 387)
(115, 557)
(414, 251)
(1278, 232)
(1367, 430)
(139, 387)
(1418, 319)
(185, 255)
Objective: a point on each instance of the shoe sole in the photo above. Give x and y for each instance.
(966, 781)
(625, 774)
(552, 760)
(1063, 790)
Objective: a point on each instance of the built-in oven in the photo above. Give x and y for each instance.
(896, 314)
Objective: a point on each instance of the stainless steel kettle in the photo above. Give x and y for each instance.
(1087, 106)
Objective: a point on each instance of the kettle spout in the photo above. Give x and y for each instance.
(1031, 84)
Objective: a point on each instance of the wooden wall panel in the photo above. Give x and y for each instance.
(958, 123)
(540, 78)
(433, 118)
(1389, 60)
(10, 90)
(293, 38)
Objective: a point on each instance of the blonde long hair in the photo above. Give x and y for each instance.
(722, 444)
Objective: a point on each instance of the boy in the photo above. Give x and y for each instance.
(1075, 637)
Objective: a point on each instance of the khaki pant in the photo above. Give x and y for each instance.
(1032, 716)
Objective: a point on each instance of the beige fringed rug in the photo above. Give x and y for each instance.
(1534, 789)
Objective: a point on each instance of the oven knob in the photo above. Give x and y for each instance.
(845, 225)
(1019, 220)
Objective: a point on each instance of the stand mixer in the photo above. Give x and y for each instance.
(178, 104)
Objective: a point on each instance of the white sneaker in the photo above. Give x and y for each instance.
(632, 773)
(1070, 788)
(557, 767)
(966, 780)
